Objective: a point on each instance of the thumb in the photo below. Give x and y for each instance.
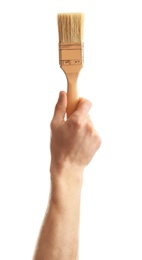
(60, 108)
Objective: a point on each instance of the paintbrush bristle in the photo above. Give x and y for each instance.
(70, 27)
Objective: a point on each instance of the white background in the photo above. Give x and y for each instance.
(30, 80)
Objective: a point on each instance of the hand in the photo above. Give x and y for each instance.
(73, 141)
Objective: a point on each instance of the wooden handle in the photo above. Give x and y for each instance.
(72, 93)
(72, 72)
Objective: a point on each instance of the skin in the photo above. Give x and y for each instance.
(73, 144)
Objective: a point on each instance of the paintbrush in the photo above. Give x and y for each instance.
(70, 29)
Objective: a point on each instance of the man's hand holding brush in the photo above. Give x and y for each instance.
(73, 141)
(73, 144)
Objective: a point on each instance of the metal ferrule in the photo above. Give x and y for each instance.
(71, 54)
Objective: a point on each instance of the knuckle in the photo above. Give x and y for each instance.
(76, 123)
(58, 107)
(52, 125)
(98, 141)
(88, 102)
(89, 128)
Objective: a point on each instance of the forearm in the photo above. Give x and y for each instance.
(59, 234)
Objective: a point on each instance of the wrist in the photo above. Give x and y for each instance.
(67, 172)
(66, 183)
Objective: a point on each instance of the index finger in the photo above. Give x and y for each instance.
(83, 108)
